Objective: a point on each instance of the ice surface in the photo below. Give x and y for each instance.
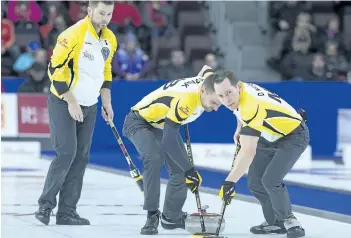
(113, 204)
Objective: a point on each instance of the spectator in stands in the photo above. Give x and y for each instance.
(77, 10)
(330, 33)
(7, 33)
(59, 26)
(144, 36)
(3, 9)
(34, 54)
(284, 14)
(130, 62)
(304, 19)
(125, 18)
(283, 20)
(296, 63)
(304, 31)
(211, 60)
(6, 62)
(37, 82)
(303, 26)
(41, 57)
(177, 69)
(158, 16)
(8, 38)
(9, 51)
(336, 63)
(27, 11)
(317, 71)
(52, 10)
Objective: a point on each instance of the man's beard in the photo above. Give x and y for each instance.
(102, 25)
(97, 25)
(207, 109)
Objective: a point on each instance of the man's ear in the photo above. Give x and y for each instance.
(90, 10)
(238, 86)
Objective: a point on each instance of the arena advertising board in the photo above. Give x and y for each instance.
(220, 156)
(24, 115)
(33, 117)
(344, 129)
(20, 150)
(9, 116)
(215, 156)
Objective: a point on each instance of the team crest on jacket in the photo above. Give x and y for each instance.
(105, 52)
(184, 110)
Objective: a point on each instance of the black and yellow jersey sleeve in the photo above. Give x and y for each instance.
(108, 68)
(81, 62)
(177, 102)
(265, 114)
(205, 71)
(181, 108)
(253, 116)
(62, 57)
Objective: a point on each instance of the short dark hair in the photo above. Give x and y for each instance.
(93, 3)
(208, 84)
(221, 75)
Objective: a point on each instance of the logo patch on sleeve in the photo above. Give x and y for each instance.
(63, 42)
(184, 110)
(105, 51)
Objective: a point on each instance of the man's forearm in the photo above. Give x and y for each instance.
(69, 97)
(239, 125)
(105, 96)
(241, 164)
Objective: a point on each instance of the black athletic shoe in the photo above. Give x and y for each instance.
(295, 232)
(152, 222)
(71, 218)
(169, 224)
(293, 227)
(43, 215)
(265, 228)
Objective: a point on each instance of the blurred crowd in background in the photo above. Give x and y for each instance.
(150, 41)
(155, 43)
(311, 42)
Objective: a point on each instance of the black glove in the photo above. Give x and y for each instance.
(303, 114)
(227, 191)
(193, 180)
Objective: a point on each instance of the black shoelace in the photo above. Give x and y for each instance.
(151, 220)
(70, 215)
(45, 210)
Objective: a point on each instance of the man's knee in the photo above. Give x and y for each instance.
(125, 130)
(254, 184)
(65, 155)
(81, 160)
(128, 127)
(270, 183)
(83, 152)
(154, 162)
